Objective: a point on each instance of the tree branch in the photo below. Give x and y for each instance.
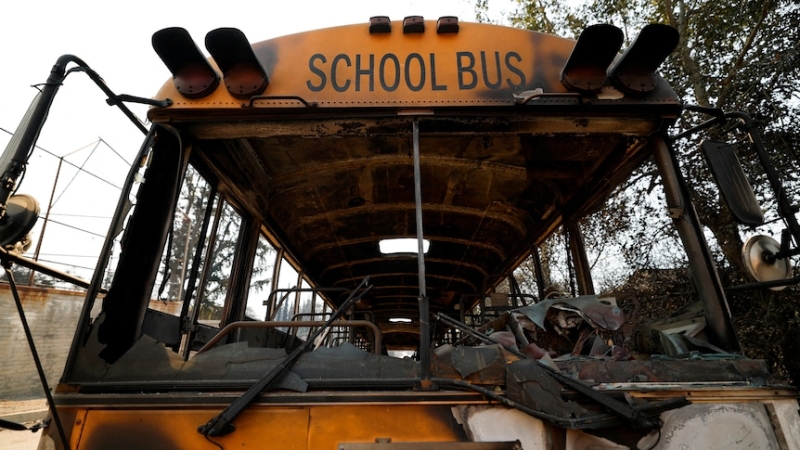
(745, 48)
(681, 23)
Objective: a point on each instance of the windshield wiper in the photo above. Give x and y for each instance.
(221, 424)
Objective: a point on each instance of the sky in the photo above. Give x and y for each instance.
(113, 38)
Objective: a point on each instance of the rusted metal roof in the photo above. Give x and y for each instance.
(492, 187)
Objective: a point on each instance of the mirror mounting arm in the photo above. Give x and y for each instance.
(19, 149)
(785, 209)
(748, 126)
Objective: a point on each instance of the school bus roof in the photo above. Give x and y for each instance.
(349, 67)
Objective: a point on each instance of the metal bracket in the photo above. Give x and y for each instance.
(675, 213)
(118, 99)
(255, 98)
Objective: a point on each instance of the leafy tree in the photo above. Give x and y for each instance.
(184, 238)
(183, 244)
(743, 56)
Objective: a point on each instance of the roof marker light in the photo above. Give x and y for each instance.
(447, 24)
(413, 24)
(380, 24)
(192, 74)
(596, 48)
(635, 72)
(242, 71)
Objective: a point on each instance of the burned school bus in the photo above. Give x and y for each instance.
(329, 215)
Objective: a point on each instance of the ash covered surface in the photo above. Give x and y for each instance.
(767, 323)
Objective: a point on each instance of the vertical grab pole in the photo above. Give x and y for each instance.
(424, 313)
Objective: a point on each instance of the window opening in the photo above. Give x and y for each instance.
(261, 280)
(217, 273)
(171, 286)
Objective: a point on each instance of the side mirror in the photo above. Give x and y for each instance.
(759, 256)
(21, 215)
(732, 182)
